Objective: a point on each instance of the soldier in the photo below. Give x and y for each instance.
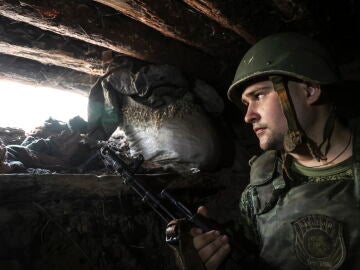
(301, 208)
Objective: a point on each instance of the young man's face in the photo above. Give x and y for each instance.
(263, 111)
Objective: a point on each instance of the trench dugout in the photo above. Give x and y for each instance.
(62, 209)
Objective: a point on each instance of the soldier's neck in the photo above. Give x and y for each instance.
(340, 148)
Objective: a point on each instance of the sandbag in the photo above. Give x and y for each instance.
(167, 117)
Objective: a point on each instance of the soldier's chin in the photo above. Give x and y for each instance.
(266, 144)
(263, 146)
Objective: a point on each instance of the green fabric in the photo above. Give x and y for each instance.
(248, 225)
(290, 54)
(341, 171)
(274, 219)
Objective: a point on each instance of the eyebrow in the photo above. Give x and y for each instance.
(253, 92)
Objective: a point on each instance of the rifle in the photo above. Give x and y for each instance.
(158, 202)
(111, 158)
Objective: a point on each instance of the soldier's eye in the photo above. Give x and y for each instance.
(259, 96)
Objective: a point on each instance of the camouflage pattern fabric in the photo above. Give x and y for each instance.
(302, 221)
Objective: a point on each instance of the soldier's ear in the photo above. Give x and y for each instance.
(313, 93)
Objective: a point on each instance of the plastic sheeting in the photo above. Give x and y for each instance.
(166, 116)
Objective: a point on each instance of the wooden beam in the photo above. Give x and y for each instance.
(249, 19)
(59, 186)
(38, 187)
(24, 40)
(97, 24)
(33, 72)
(212, 10)
(176, 20)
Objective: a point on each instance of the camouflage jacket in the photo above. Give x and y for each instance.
(298, 224)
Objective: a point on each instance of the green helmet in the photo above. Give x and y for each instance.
(289, 54)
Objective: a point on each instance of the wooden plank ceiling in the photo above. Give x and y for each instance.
(70, 43)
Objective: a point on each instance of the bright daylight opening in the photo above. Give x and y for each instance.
(26, 106)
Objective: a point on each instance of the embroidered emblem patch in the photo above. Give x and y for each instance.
(319, 242)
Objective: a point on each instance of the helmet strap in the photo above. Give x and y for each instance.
(328, 130)
(295, 136)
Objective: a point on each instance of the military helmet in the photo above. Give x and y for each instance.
(290, 54)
